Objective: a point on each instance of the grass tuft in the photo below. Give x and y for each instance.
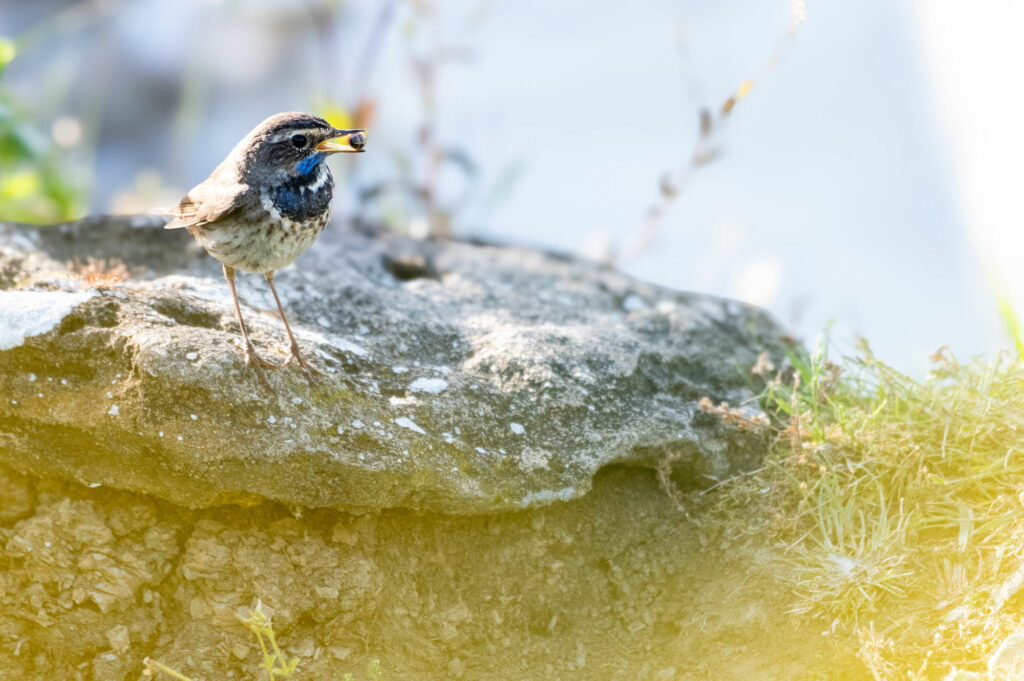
(275, 663)
(898, 504)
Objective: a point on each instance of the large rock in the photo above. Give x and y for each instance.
(457, 377)
(615, 585)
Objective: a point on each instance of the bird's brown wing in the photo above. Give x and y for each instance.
(206, 203)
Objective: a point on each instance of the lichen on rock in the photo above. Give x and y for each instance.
(492, 379)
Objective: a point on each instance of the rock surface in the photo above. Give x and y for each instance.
(458, 377)
(93, 581)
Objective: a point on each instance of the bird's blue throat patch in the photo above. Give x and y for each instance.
(309, 164)
(296, 200)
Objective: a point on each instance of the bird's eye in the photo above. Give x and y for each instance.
(299, 141)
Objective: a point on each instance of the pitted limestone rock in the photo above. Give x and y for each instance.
(457, 377)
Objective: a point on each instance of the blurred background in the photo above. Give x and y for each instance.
(853, 163)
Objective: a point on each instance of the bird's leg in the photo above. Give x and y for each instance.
(252, 358)
(296, 356)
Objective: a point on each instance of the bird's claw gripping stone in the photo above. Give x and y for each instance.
(308, 369)
(254, 361)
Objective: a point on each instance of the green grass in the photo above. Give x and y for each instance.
(898, 505)
(276, 665)
(36, 184)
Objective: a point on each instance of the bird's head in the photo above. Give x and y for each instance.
(290, 144)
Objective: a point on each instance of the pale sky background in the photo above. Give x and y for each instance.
(866, 179)
(856, 184)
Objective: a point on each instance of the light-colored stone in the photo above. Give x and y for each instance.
(549, 344)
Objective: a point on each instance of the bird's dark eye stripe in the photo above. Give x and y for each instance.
(299, 140)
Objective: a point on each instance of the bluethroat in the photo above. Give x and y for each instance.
(265, 205)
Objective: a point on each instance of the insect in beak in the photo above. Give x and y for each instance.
(344, 140)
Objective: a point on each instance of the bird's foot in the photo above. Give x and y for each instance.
(308, 369)
(254, 361)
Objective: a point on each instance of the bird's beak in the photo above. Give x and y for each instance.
(344, 140)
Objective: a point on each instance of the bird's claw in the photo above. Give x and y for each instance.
(308, 369)
(254, 361)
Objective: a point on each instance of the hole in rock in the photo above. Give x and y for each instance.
(406, 267)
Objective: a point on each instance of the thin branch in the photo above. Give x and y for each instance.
(371, 51)
(706, 149)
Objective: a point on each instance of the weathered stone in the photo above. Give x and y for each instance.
(614, 585)
(457, 377)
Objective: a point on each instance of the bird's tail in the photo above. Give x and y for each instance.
(168, 212)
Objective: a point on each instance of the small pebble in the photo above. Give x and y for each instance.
(433, 386)
(406, 422)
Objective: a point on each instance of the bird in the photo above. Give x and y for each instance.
(264, 205)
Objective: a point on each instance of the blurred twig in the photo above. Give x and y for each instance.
(706, 149)
(371, 51)
(418, 181)
(426, 67)
(99, 273)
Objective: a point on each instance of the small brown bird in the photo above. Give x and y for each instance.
(265, 205)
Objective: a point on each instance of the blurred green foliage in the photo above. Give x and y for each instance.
(44, 179)
(33, 186)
